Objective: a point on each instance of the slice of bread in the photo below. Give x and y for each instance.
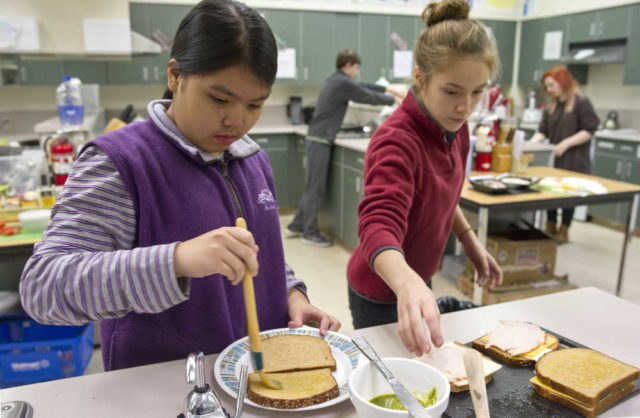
(292, 352)
(582, 408)
(299, 389)
(524, 360)
(585, 375)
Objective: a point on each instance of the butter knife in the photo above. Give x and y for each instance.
(414, 407)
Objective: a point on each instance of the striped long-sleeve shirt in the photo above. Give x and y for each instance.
(86, 268)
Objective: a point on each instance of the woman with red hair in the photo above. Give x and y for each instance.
(569, 122)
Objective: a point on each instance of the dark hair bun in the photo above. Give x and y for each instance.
(435, 13)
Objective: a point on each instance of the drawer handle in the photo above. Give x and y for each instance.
(606, 145)
(360, 160)
(626, 148)
(262, 140)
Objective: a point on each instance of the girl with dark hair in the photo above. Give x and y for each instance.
(569, 122)
(413, 175)
(142, 237)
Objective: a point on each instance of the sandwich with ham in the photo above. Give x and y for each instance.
(516, 343)
(449, 359)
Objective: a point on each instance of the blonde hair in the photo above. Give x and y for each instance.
(449, 35)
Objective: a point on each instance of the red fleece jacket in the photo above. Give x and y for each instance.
(413, 179)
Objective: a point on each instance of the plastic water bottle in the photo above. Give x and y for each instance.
(69, 102)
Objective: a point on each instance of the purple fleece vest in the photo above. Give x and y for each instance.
(178, 197)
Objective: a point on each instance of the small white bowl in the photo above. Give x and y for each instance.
(34, 220)
(366, 382)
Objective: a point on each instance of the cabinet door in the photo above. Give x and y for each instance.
(164, 18)
(632, 62)
(373, 38)
(613, 23)
(530, 53)
(611, 167)
(297, 167)
(136, 69)
(583, 27)
(40, 72)
(318, 60)
(89, 72)
(353, 185)
(405, 27)
(504, 33)
(285, 25)
(553, 24)
(277, 148)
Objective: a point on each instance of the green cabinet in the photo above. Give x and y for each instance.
(285, 25)
(373, 38)
(40, 72)
(277, 148)
(146, 18)
(89, 72)
(599, 25)
(406, 27)
(504, 33)
(318, 56)
(616, 160)
(632, 62)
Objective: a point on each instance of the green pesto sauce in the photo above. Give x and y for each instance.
(391, 401)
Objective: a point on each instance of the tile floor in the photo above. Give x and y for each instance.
(591, 258)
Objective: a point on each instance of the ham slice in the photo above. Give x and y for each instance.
(449, 360)
(516, 337)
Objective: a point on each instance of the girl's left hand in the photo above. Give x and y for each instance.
(560, 149)
(486, 266)
(302, 312)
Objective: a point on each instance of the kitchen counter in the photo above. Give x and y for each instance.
(631, 135)
(357, 144)
(266, 129)
(588, 316)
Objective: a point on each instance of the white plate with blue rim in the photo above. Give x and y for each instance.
(227, 367)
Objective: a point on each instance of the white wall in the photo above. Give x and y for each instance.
(60, 21)
(542, 8)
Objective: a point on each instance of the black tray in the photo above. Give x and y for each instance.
(511, 394)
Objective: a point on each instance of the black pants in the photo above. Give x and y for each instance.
(318, 162)
(567, 216)
(367, 312)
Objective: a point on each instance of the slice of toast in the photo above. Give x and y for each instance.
(293, 352)
(524, 360)
(461, 384)
(299, 389)
(585, 375)
(584, 409)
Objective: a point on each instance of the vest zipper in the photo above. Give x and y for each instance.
(227, 179)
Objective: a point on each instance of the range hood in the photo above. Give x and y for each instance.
(141, 45)
(596, 52)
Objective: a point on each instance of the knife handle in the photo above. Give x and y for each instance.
(370, 353)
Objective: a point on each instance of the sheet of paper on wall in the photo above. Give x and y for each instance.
(107, 36)
(286, 63)
(552, 45)
(402, 64)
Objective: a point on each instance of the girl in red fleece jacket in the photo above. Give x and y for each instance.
(414, 171)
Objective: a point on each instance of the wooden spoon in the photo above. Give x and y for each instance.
(477, 384)
(252, 324)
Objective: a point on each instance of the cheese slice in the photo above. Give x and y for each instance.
(449, 360)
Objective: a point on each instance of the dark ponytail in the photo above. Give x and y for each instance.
(218, 34)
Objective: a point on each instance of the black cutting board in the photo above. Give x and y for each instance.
(511, 394)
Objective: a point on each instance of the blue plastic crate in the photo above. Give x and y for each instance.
(31, 352)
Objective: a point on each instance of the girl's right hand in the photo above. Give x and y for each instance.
(228, 251)
(417, 304)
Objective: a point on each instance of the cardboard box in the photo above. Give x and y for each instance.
(514, 292)
(524, 255)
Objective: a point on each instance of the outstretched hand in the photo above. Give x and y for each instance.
(301, 312)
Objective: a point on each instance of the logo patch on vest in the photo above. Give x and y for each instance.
(266, 199)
